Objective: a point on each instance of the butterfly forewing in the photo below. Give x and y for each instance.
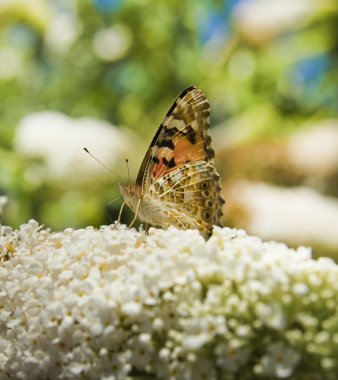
(182, 137)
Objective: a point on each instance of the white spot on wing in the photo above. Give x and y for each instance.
(177, 123)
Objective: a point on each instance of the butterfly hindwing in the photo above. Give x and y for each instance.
(192, 193)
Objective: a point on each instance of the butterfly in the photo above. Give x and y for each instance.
(177, 183)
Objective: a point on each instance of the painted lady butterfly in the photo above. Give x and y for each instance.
(177, 183)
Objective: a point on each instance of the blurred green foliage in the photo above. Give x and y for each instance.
(53, 56)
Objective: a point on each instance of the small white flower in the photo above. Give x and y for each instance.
(231, 356)
(280, 360)
(131, 309)
(195, 342)
(271, 315)
(300, 289)
(141, 352)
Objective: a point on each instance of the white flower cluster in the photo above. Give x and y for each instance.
(118, 304)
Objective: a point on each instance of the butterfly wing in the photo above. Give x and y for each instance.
(178, 167)
(182, 137)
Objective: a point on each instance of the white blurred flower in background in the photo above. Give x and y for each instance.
(314, 151)
(261, 20)
(62, 32)
(59, 140)
(298, 215)
(112, 43)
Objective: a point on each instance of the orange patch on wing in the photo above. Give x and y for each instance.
(186, 151)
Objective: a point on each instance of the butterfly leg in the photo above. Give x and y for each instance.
(135, 216)
(120, 213)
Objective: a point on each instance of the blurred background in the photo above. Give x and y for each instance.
(103, 73)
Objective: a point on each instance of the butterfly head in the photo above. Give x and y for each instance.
(131, 194)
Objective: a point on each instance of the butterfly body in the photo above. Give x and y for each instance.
(177, 183)
(149, 208)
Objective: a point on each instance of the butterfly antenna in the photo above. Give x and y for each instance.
(101, 163)
(127, 163)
